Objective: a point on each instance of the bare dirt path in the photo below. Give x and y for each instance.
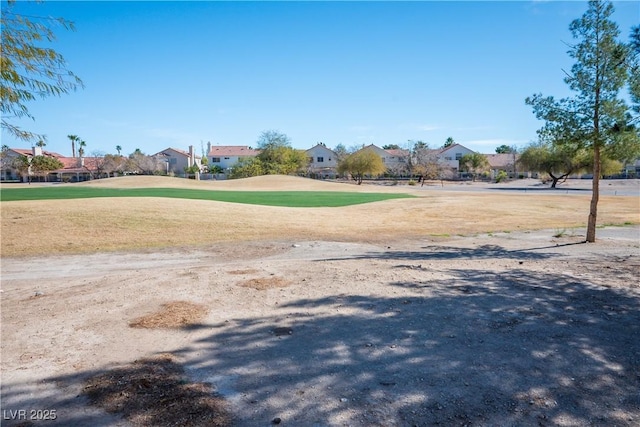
(505, 329)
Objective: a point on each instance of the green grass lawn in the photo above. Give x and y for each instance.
(298, 199)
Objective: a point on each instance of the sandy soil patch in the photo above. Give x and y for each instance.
(504, 329)
(262, 284)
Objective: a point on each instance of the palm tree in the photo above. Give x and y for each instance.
(82, 144)
(40, 143)
(73, 139)
(118, 149)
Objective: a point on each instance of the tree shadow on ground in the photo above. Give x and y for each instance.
(520, 347)
(437, 252)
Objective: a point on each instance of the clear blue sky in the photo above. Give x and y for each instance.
(174, 74)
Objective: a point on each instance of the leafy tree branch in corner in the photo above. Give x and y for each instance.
(29, 69)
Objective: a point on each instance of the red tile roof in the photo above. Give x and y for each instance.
(29, 152)
(500, 160)
(177, 150)
(232, 150)
(70, 164)
(398, 152)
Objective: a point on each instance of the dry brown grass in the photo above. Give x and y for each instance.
(259, 183)
(154, 392)
(262, 284)
(175, 314)
(94, 225)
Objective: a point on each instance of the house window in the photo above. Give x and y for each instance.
(458, 156)
(320, 159)
(447, 158)
(226, 158)
(215, 160)
(173, 161)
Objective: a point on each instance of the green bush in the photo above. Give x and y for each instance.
(501, 176)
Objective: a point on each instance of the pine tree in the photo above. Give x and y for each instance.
(593, 117)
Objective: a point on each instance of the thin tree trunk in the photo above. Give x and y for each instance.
(595, 182)
(595, 195)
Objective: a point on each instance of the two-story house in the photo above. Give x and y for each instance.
(323, 161)
(450, 156)
(227, 156)
(177, 160)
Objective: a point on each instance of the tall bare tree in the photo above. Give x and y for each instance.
(424, 162)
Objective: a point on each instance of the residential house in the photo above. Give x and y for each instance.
(503, 162)
(178, 160)
(8, 171)
(227, 156)
(452, 154)
(323, 162)
(75, 169)
(397, 161)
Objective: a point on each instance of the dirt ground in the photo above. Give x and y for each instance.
(508, 329)
(503, 329)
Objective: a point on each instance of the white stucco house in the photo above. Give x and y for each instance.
(396, 160)
(323, 161)
(177, 160)
(451, 155)
(227, 156)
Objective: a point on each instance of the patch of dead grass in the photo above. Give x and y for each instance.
(262, 284)
(155, 392)
(175, 314)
